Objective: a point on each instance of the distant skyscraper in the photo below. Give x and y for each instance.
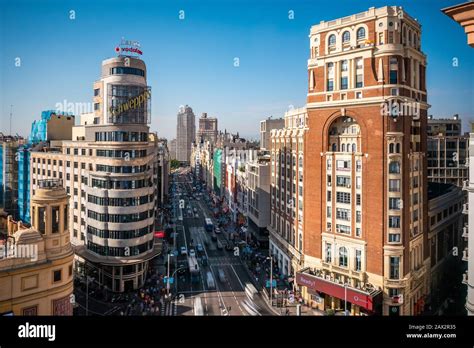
(185, 133)
(173, 149)
(207, 129)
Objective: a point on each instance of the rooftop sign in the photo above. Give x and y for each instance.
(128, 48)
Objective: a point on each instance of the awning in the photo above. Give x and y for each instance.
(355, 296)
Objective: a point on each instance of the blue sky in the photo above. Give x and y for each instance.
(191, 61)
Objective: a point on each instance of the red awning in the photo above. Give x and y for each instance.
(354, 296)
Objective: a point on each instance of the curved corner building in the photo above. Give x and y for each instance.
(108, 169)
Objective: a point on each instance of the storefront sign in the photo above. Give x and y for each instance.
(359, 298)
(131, 104)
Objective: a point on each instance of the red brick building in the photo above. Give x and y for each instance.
(365, 197)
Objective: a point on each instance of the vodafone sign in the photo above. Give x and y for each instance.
(129, 48)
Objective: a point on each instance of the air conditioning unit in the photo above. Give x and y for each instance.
(348, 185)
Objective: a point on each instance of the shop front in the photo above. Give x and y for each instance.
(325, 294)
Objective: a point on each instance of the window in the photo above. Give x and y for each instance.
(328, 212)
(393, 70)
(358, 216)
(358, 260)
(344, 82)
(342, 257)
(354, 148)
(328, 252)
(332, 40)
(394, 237)
(96, 92)
(358, 95)
(394, 221)
(344, 65)
(391, 148)
(96, 106)
(394, 185)
(343, 229)
(359, 81)
(343, 214)
(394, 167)
(346, 37)
(57, 276)
(330, 77)
(394, 267)
(343, 165)
(360, 33)
(358, 199)
(343, 197)
(343, 181)
(394, 203)
(358, 232)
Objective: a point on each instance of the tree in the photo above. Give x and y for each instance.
(174, 164)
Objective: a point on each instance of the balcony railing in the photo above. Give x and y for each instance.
(465, 255)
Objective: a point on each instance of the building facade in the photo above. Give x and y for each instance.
(365, 197)
(36, 275)
(207, 130)
(445, 241)
(266, 127)
(287, 189)
(185, 133)
(109, 170)
(447, 151)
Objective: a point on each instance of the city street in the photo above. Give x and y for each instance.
(227, 296)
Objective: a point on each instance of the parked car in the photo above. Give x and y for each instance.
(184, 250)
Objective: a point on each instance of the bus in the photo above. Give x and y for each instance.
(209, 225)
(194, 269)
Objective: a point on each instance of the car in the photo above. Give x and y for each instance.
(217, 230)
(221, 275)
(199, 248)
(195, 210)
(192, 253)
(204, 260)
(184, 250)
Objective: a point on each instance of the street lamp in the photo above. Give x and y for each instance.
(271, 279)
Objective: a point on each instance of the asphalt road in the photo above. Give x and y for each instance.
(228, 297)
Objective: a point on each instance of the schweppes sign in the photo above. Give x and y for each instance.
(131, 104)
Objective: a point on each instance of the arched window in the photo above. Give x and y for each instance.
(342, 257)
(404, 35)
(332, 40)
(394, 167)
(360, 33)
(346, 37)
(398, 148)
(334, 147)
(409, 37)
(391, 148)
(354, 148)
(343, 148)
(300, 162)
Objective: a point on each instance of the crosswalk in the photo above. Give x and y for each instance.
(224, 261)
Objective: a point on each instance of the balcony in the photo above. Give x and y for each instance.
(465, 208)
(396, 283)
(465, 255)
